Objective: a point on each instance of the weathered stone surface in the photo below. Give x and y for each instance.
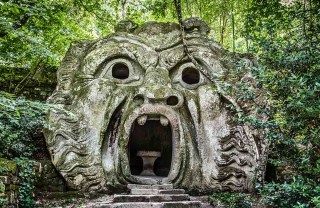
(8, 167)
(136, 189)
(173, 191)
(5, 179)
(137, 90)
(8, 183)
(183, 204)
(153, 196)
(144, 191)
(156, 191)
(150, 198)
(49, 178)
(158, 187)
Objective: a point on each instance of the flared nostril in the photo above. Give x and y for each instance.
(138, 99)
(172, 100)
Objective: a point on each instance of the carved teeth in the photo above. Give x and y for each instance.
(142, 119)
(164, 121)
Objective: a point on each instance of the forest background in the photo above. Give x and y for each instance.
(284, 36)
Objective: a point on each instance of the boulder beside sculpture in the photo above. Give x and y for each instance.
(137, 90)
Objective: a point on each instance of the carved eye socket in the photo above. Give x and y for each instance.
(190, 75)
(120, 71)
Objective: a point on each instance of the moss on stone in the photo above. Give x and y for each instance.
(7, 166)
(65, 195)
(2, 187)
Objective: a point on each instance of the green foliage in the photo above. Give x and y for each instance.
(35, 34)
(19, 120)
(39, 30)
(2, 187)
(300, 193)
(26, 175)
(27, 179)
(232, 200)
(287, 42)
(3, 202)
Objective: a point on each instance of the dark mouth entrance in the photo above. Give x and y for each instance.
(147, 143)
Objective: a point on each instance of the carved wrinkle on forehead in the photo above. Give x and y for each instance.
(142, 54)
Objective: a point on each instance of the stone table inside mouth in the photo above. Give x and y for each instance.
(148, 157)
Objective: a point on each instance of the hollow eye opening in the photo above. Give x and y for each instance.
(120, 71)
(190, 76)
(193, 29)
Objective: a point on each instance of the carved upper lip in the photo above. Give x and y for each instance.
(143, 119)
(153, 112)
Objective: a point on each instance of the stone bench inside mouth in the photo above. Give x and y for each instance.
(148, 157)
(149, 154)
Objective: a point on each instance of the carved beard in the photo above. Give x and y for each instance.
(94, 143)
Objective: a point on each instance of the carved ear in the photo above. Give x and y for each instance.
(67, 69)
(196, 24)
(71, 63)
(125, 26)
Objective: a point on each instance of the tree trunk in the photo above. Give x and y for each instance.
(123, 7)
(223, 25)
(233, 34)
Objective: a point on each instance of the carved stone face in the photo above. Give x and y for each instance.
(139, 92)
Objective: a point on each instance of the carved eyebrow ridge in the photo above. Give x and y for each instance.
(96, 58)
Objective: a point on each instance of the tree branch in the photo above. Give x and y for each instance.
(33, 71)
(22, 22)
(220, 91)
(16, 26)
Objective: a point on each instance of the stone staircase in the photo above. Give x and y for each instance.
(155, 196)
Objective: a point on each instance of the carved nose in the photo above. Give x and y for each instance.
(172, 100)
(166, 96)
(157, 89)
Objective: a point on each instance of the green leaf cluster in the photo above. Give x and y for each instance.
(300, 193)
(232, 200)
(27, 180)
(286, 39)
(20, 119)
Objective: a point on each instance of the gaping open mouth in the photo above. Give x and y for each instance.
(150, 146)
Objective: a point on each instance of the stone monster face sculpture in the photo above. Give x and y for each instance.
(136, 93)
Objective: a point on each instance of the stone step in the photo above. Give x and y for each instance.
(151, 198)
(180, 204)
(173, 191)
(156, 191)
(161, 187)
(144, 191)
